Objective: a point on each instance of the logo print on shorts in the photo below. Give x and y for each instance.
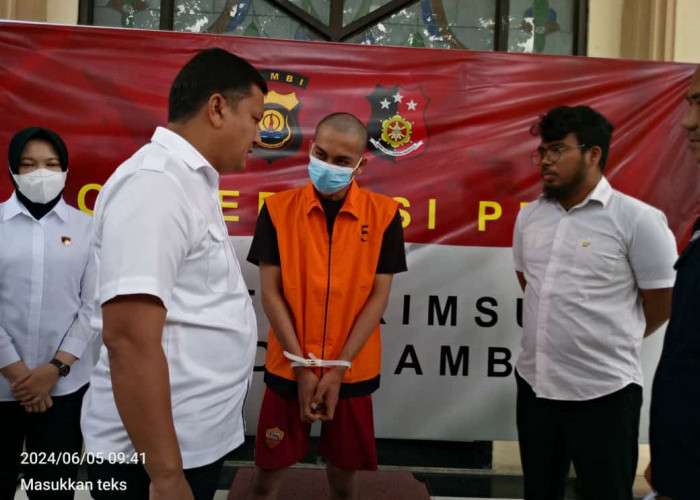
(273, 437)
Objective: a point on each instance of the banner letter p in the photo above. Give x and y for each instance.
(488, 210)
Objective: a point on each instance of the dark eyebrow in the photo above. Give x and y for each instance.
(30, 158)
(343, 158)
(555, 144)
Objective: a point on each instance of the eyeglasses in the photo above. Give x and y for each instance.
(551, 153)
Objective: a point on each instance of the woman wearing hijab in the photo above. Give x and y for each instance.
(46, 342)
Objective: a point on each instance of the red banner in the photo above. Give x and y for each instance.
(449, 128)
(449, 138)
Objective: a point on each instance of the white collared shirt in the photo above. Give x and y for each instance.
(45, 291)
(583, 320)
(159, 230)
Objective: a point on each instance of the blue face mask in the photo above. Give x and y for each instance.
(327, 178)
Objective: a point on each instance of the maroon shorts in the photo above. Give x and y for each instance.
(347, 441)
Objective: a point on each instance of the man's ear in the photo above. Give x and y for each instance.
(595, 155)
(361, 166)
(215, 109)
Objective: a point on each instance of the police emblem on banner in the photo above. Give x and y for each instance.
(280, 132)
(397, 128)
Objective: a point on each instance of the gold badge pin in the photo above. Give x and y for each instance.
(585, 244)
(65, 240)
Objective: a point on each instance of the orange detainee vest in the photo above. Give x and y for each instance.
(326, 283)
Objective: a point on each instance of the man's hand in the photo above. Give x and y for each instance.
(307, 381)
(43, 403)
(326, 397)
(175, 488)
(14, 371)
(35, 383)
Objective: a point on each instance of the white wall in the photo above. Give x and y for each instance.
(62, 11)
(687, 46)
(604, 27)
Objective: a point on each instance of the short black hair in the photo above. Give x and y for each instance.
(346, 122)
(590, 128)
(208, 72)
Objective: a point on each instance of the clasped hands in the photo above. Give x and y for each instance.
(32, 387)
(318, 397)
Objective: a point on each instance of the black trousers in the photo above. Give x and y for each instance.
(599, 436)
(57, 430)
(132, 481)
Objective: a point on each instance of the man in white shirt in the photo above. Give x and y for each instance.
(596, 267)
(165, 403)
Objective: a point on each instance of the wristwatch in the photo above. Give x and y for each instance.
(63, 369)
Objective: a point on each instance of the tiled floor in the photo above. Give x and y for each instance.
(221, 495)
(441, 485)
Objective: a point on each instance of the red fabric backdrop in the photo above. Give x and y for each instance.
(104, 90)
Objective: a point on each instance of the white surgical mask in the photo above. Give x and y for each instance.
(42, 185)
(329, 178)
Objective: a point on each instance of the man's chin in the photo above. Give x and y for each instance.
(555, 193)
(236, 167)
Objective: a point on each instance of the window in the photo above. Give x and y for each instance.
(539, 26)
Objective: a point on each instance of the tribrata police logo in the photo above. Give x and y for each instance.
(280, 132)
(397, 128)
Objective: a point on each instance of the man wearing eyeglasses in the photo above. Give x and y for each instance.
(674, 434)
(596, 268)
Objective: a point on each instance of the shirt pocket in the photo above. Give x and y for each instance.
(218, 265)
(596, 257)
(535, 247)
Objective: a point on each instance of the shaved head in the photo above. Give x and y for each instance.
(346, 123)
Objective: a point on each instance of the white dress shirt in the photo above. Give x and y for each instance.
(46, 291)
(159, 230)
(583, 320)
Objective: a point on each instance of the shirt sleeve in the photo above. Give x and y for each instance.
(392, 256)
(81, 334)
(144, 237)
(518, 260)
(264, 247)
(653, 251)
(8, 353)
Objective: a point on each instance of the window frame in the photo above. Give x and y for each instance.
(334, 31)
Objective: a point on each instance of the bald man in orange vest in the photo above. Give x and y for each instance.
(327, 253)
